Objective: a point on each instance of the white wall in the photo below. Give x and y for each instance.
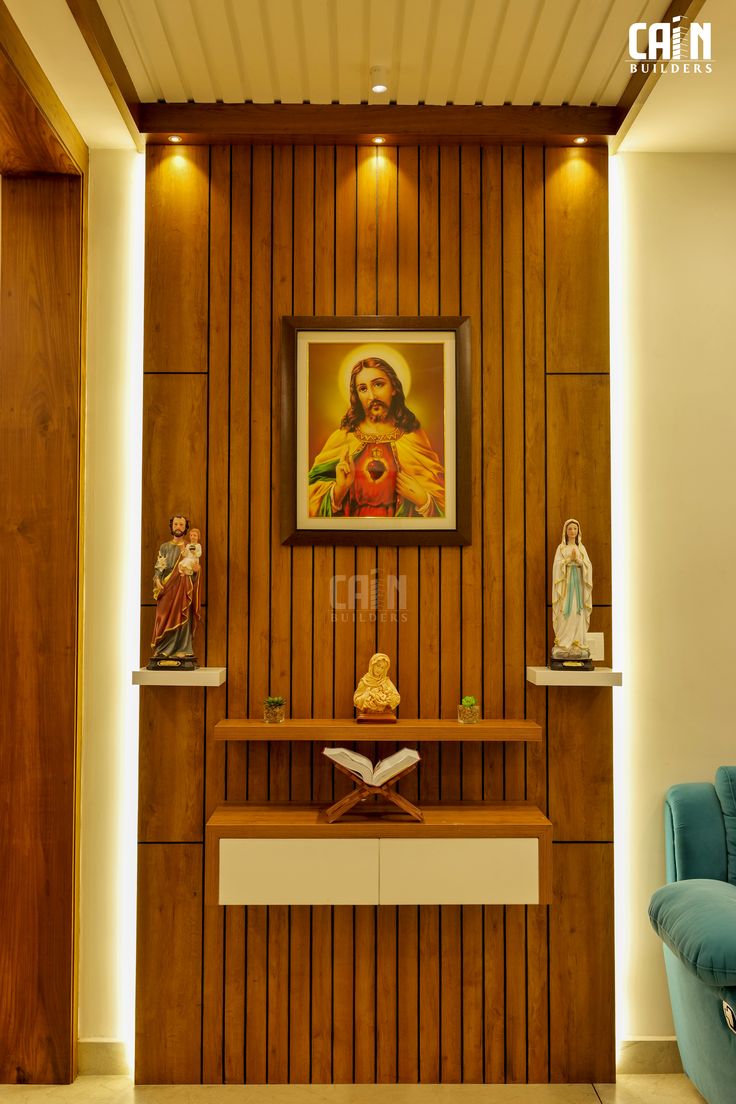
(673, 233)
(111, 596)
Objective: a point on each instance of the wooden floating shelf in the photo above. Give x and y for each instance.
(472, 818)
(599, 676)
(203, 676)
(421, 730)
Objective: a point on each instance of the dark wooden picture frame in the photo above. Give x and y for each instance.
(307, 340)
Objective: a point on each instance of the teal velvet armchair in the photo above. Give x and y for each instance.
(695, 917)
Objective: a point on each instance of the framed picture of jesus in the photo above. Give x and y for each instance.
(375, 447)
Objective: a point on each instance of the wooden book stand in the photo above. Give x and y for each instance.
(364, 790)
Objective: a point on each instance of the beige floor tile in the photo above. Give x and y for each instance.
(630, 1089)
(119, 1090)
(672, 1088)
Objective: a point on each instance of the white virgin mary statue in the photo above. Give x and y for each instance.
(572, 595)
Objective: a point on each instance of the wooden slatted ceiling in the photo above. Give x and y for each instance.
(364, 994)
(478, 51)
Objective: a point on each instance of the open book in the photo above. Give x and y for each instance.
(361, 766)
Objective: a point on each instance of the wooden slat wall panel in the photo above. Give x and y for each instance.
(41, 423)
(387, 994)
(169, 968)
(577, 260)
(177, 196)
(581, 964)
(579, 473)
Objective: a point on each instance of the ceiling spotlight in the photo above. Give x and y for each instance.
(175, 138)
(378, 141)
(379, 78)
(580, 141)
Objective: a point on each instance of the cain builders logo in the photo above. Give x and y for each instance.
(677, 47)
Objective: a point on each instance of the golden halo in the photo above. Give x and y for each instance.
(389, 353)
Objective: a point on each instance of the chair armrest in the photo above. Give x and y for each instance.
(696, 919)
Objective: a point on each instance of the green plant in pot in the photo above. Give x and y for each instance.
(468, 711)
(274, 710)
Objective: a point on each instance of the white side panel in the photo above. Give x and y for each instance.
(459, 872)
(298, 872)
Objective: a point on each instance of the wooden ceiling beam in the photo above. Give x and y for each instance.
(335, 124)
(103, 48)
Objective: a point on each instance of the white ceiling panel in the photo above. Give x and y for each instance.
(583, 32)
(480, 49)
(451, 31)
(414, 41)
(612, 40)
(286, 44)
(320, 43)
(352, 46)
(219, 45)
(260, 83)
(649, 11)
(183, 33)
(549, 33)
(145, 21)
(518, 27)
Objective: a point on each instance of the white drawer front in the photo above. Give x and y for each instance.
(298, 872)
(459, 872)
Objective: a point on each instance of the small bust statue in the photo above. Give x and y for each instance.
(376, 697)
(572, 599)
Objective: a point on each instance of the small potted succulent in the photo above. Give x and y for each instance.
(468, 711)
(274, 710)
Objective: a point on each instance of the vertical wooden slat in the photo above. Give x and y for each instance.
(472, 602)
(451, 1026)
(536, 601)
(408, 993)
(233, 997)
(429, 559)
(493, 460)
(304, 614)
(580, 478)
(177, 186)
(321, 1010)
(495, 993)
(514, 519)
(365, 994)
(216, 564)
(280, 555)
(278, 994)
(577, 260)
(581, 963)
(429, 642)
(256, 995)
(169, 967)
(256, 988)
(170, 796)
(324, 674)
(429, 994)
(408, 629)
(278, 1001)
(343, 1069)
(407, 667)
(346, 304)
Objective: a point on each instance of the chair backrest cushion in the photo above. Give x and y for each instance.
(695, 839)
(726, 790)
